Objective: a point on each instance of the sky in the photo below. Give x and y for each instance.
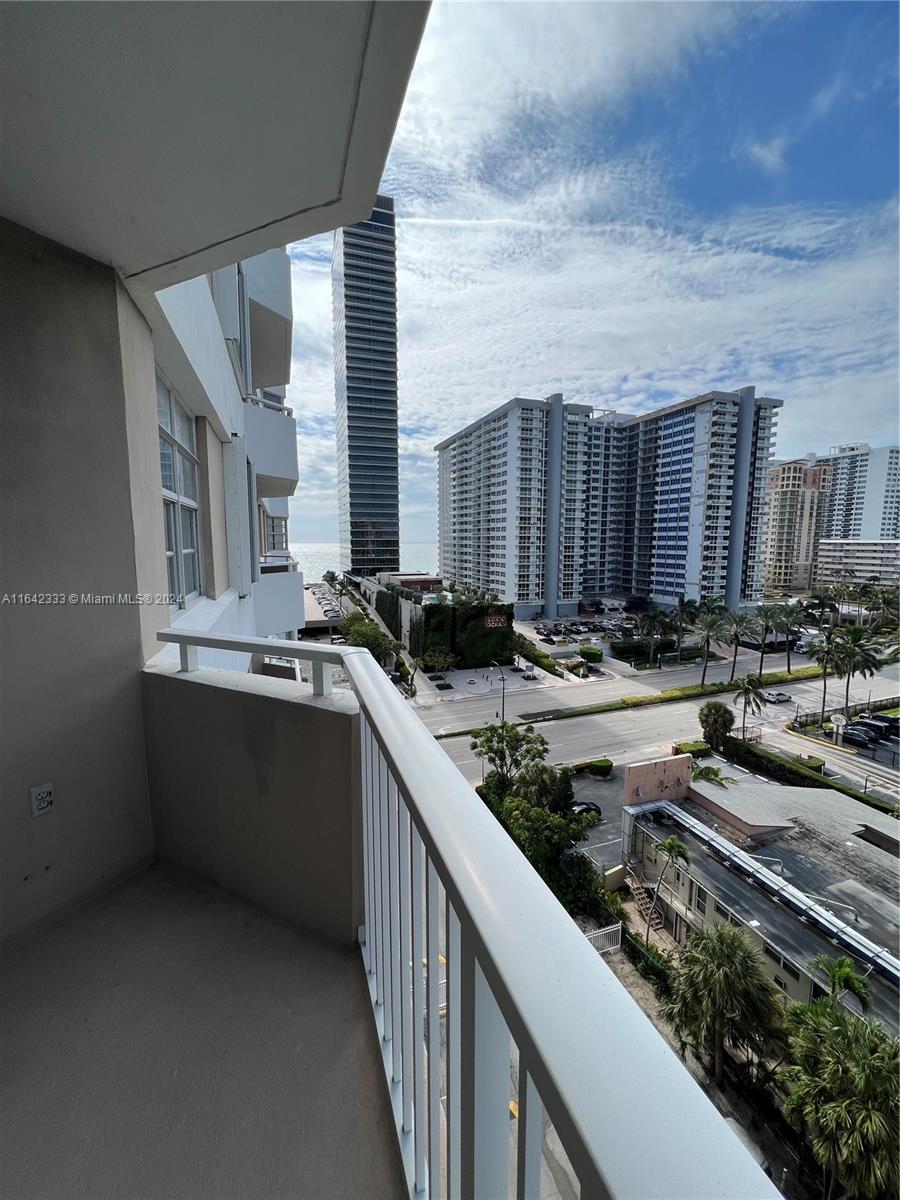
(631, 204)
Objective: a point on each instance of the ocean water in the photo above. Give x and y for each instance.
(315, 558)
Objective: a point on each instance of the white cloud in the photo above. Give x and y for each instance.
(767, 155)
(554, 272)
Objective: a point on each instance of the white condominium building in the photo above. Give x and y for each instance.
(545, 503)
(857, 560)
(798, 501)
(864, 499)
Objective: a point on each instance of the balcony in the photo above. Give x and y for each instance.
(353, 1015)
(271, 435)
(278, 595)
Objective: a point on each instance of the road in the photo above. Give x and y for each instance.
(641, 733)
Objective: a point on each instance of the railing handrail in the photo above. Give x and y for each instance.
(578, 1031)
(262, 402)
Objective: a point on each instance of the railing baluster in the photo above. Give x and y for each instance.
(406, 966)
(394, 950)
(374, 857)
(366, 838)
(451, 1026)
(433, 954)
(484, 1083)
(378, 868)
(387, 1031)
(531, 1132)
(420, 1097)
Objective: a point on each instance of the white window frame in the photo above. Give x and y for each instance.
(179, 500)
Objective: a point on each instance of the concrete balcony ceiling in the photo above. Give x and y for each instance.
(169, 140)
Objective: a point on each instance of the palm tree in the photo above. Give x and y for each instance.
(884, 608)
(722, 996)
(857, 655)
(825, 655)
(865, 592)
(819, 606)
(766, 618)
(747, 690)
(652, 622)
(682, 616)
(790, 621)
(709, 626)
(707, 774)
(843, 977)
(712, 604)
(674, 849)
(738, 626)
(842, 1092)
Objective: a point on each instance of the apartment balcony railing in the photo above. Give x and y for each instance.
(531, 1011)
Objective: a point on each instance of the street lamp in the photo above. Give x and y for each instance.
(502, 692)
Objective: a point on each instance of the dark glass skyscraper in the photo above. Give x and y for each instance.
(364, 298)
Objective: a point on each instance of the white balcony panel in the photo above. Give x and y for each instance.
(272, 448)
(268, 278)
(157, 138)
(278, 600)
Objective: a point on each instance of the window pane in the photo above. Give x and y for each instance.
(184, 427)
(163, 409)
(188, 472)
(169, 524)
(188, 529)
(167, 465)
(191, 579)
(173, 575)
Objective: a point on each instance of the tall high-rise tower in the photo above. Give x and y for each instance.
(364, 299)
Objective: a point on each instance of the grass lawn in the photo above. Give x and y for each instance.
(891, 712)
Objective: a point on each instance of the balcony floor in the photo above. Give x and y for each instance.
(168, 1040)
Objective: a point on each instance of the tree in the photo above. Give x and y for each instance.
(884, 610)
(716, 721)
(738, 626)
(819, 606)
(438, 660)
(360, 632)
(857, 654)
(826, 656)
(843, 977)
(545, 786)
(713, 604)
(748, 693)
(707, 774)
(330, 578)
(843, 1093)
(683, 616)
(709, 626)
(675, 851)
(790, 621)
(721, 996)
(652, 622)
(509, 749)
(766, 619)
(542, 836)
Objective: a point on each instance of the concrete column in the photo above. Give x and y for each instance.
(552, 501)
(81, 517)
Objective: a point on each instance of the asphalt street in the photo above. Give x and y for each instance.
(641, 733)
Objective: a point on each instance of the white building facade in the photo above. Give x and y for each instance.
(864, 499)
(545, 503)
(858, 560)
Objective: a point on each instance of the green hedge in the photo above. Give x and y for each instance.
(635, 648)
(601, 767)
(745, 754)
(811, 762)
(527, 649)
(697, 749)
(591, 654)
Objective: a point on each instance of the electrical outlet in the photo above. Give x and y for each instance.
(41, 799)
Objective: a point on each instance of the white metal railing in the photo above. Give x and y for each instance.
(604, 940)
(530, 1009)
(262, 402)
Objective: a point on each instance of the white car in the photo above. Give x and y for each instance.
(776, 697)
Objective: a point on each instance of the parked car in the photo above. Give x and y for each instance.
(549, 641)
(586, 806)
(529, 675)
(874, 727)
(776, 697)
(859, 740)
(890, 723)
(861, 731)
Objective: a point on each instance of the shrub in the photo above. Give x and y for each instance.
(528, 650)
(697, 749)
(591, 654)
(811, 762)
(639, 648)
(716, 720)
(601, 767)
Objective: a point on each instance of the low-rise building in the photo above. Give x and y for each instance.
(803, 870)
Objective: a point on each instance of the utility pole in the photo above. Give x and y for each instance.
(502, 692)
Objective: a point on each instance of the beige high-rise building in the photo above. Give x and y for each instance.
(798, 491)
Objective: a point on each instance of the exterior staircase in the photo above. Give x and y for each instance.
(643, 899)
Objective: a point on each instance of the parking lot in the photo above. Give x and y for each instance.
(611, 624)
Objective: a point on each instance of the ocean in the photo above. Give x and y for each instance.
(315, 558)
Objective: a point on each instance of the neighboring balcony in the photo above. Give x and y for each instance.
(271, 434)
(372, 993)
(278, 595)
(268, 281)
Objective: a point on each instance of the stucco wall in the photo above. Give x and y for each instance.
(212, 513)
(659, 779)
(75, 356)
(254, 784)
